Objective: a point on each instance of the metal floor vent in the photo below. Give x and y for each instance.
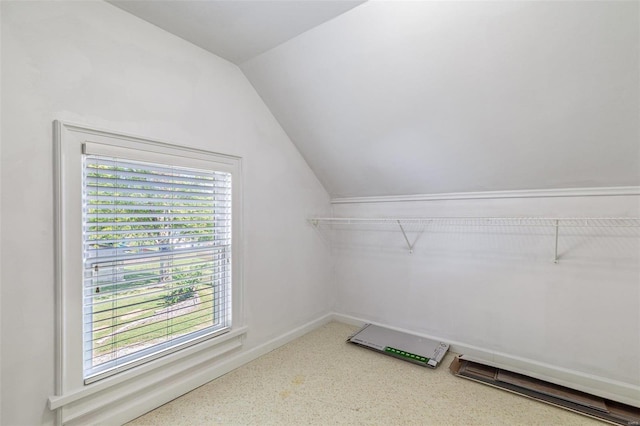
(419, 350)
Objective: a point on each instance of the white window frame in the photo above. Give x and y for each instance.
(73, 396)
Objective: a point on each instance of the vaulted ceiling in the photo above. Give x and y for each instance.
(397, 98)
(236, 30)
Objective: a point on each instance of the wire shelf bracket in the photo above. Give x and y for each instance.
(404, 234)
(555, 256)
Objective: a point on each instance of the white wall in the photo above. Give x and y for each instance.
(91, 63)
(496, 293)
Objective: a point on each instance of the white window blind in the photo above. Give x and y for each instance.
(157, 260)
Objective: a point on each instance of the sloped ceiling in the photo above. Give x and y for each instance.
(236, 29)
(398, 98)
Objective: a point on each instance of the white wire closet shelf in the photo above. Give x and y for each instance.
(633, 222)
(425, 222)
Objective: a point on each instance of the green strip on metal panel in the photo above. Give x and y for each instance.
(405, 354)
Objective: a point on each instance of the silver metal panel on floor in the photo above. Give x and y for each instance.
(408, 347)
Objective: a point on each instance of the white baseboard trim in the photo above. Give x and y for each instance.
(527, 193)
(606, 388)
(177, 385)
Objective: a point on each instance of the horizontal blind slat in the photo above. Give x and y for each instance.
(157, 193)
(99, 226)
(130, 200)
(169, 184)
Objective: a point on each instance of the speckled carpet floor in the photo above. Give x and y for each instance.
(319, 379)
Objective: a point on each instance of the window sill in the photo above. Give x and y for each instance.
(217, 347)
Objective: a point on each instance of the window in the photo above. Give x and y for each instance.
(148, 256)
(156, 259)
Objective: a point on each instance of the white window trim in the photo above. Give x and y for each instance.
(73, 399)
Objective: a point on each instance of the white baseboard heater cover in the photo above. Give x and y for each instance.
(416, 349)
